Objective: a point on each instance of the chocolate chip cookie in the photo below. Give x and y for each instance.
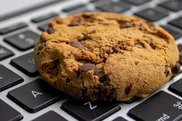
(106, 56)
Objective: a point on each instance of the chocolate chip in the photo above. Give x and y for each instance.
(175, 70)
(102, 79)
(166, 71)
(136, 63)
(149, 23)
(77, 45)
(123, 26)
(82, 39)
(122, 47)
(87, 67)
(108, 52)
(115, 49)
(42, 45)
(127, 90)
(74, 24)
(86, 15)
(50, 30)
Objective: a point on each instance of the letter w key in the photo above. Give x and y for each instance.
(90, 111)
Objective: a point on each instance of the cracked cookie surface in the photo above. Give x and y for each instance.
(106, 56)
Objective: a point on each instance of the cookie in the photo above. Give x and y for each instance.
(106, 56)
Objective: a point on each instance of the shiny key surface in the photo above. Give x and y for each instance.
(177, 22)
(7, 113)
(38, 95)
(50, 116)
(90, 111)
(173, 5)
(12, 28)
(151, 14)
(174, 33)
(158, 107)
(180, 53)
(5, 53)
(8, 78)
(115, 7)
(26, 64)
(176, 87)
(24, 40)
(138, 2)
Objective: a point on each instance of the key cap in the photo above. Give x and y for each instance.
(8, 78)
(43, 27)
(180, 53)
(119, 119)
(160, 107)
(151, 14)
(138, 2)
(24, 40)
(131, 100)
(5, 53)
(12, 28)
(35, 95)
(45, 17)
(177, 22)
(26, 64)
(49, 116)
(73, 8)
(115, 7)
(94, 1)
(176, 87)
(8, 113)
(175, 34)
(173, 5)
(89, 111)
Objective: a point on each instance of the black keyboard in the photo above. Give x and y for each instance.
(25, 96)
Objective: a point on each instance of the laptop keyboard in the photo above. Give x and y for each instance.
(25, 96)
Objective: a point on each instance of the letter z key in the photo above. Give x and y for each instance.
(90, 111)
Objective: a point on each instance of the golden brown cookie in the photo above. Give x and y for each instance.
(106, 56)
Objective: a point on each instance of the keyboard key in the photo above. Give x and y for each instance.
(45, 17)
(26, 64)
(175, 34)
(24, 40)
(173, 5)
(160, 107)
(7, 113)
(49, 116)
(176, 87)
(73, 8)
(94, 1)
(151, 14)
(131, 100)
(5, 53)
(180, 53)
(43, 27)
(12, 28)
(115, 7)
(90, 111)
(138, 2)
(8, 78)
(177, 22)
(119, 119)
(35, 95)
